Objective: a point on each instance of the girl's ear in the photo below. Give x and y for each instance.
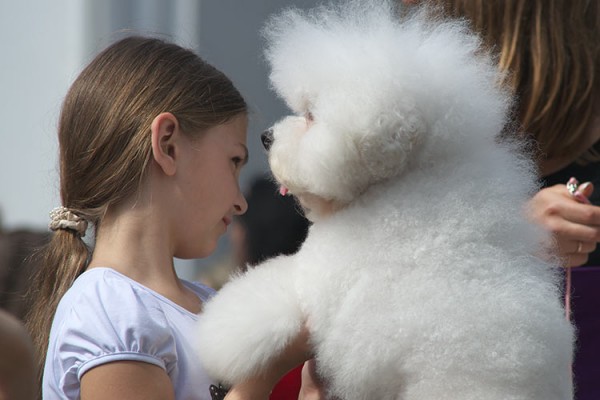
(165, 130)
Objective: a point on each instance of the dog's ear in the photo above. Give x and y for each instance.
(387, 148)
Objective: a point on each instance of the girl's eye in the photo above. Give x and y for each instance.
(309, 117)
(237, 161)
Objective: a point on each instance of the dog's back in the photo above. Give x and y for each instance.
(438, 296)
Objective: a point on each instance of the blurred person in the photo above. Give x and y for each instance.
(272, 225)
(17, 372)
(16, 266)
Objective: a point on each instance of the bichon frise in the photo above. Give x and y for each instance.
(418, 279)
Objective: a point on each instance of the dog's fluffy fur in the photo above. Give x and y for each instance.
(418, 279)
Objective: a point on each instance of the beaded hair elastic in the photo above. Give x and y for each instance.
(63, 218)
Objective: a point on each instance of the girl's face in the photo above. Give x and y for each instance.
(208, 188)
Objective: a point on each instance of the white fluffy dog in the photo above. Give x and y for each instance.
(417, 279)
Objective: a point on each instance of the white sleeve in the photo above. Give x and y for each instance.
(113, 321)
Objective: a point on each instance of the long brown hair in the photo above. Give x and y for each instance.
(105, 146)
(551, 51)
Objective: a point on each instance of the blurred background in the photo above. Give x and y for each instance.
(44, 45)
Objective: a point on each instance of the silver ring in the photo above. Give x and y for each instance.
(579, 247)
(572, 186)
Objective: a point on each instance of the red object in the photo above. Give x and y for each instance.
(288, 387)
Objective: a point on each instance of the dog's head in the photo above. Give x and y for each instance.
(369, 91)
(327, 160)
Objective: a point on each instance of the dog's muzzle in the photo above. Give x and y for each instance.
(267, 138)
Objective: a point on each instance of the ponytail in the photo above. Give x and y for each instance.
(59, 263)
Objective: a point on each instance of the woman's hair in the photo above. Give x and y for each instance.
(551, 51)
(105, 146)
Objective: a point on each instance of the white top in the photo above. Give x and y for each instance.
(106, 316)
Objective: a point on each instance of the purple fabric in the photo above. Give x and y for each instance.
(585, 308)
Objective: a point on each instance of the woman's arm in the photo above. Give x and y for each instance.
(132, 380)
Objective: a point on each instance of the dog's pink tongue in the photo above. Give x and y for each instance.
(283, 190)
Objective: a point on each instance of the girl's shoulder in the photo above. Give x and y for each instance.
(116, 292)
(104, 300)
(109, 306)
(106, 316)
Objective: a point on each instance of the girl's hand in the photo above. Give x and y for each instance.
(260, 386)
(574, 225)
(312, 387)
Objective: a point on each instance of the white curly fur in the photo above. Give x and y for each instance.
(417, 279)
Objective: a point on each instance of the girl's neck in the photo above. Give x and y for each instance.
(135, 242)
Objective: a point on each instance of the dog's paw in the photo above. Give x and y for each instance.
(248, 323)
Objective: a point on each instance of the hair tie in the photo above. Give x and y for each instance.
(63, 218)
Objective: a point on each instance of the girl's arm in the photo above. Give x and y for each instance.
(130, 380)
(312, 386)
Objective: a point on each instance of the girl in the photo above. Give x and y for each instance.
(152, 140)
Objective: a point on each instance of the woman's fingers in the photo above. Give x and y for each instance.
(575, 226)
(576, 253)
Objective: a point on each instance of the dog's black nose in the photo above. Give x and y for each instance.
(267, 138)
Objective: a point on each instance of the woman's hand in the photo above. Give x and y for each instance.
(574, 225)
(260, 386)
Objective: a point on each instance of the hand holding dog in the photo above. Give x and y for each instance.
(575, 226)
(312, 386)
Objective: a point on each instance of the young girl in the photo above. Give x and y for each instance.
(152, 140)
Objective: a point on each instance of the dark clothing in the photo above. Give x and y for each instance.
(585, 314)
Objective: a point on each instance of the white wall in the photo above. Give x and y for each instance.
(40, 52)
(44, 44)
